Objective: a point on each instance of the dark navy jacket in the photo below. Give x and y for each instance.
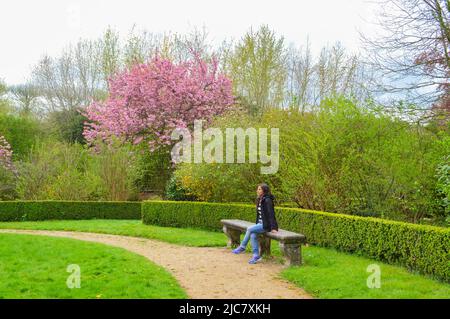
(267, 213)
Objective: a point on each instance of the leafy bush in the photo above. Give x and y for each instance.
(7, 184)
(7, 171)
(342, 158)
(421, 248)
(350, 159)
(152, 169)
(443, 178)
(59, 210)
(67, 125)
(224, 182)
(5, 103)
(174, 191)
(114, 166)
(20, 132)
(58, 171)
(443, 174)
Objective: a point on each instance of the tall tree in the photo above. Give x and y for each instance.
(70, 80)
(142, 46)
(110, 51)
(81, 73)
(334, 72)
(26, 97)
(257, 66)
(4, 103)
(301, 71)
(412, 52)
(150, 100)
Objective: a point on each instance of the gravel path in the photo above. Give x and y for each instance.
(203, 272)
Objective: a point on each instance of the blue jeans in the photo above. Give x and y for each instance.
(252, 235)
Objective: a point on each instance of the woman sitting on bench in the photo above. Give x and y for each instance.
(265, 222)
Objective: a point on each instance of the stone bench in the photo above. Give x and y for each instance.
(289, 242)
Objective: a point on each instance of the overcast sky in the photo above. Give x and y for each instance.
(30, 29)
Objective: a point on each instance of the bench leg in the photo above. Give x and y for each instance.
(264, 245)
(292, 253)
(234, 236)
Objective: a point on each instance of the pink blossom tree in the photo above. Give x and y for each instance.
(6, 155)
(148, 101)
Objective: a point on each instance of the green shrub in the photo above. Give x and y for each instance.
(20, 132)
(67, 125)
(226, 182)
(62, 171)
(5, 103)
(175, 191)
(343, 158)
(60, 210)
(443, 177)
(114, 165)
(418, 247)
(152, 170)
(58, 171)
(7, 184)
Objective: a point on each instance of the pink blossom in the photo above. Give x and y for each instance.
(6, 155)
(147, 102)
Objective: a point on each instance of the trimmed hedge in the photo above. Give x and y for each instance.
(421, 248)
(418, 247)
(47, 210)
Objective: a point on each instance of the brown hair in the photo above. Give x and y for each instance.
(266, 191)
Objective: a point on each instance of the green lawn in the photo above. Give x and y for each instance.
(326, 273)
(36, 267)
(180, 236)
